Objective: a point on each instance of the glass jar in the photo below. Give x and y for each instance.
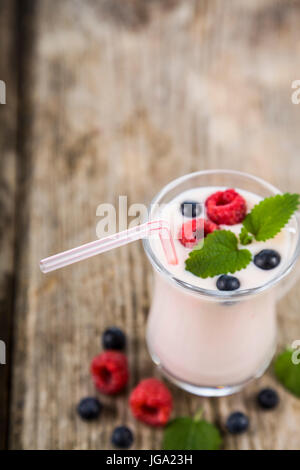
(210, 342)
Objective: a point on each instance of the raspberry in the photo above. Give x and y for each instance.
(191, 232)
(151, 402)
(226, 207)
(110, 372)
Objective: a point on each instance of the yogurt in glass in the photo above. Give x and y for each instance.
(207, 341)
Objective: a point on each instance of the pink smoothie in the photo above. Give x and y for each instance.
(205, 341)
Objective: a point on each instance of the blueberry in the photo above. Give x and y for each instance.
(191, 209)
(226, 282)
(89, 408)
(268, 398)
(113, 338)
(267, 259)
(122, 437)
(237, 423)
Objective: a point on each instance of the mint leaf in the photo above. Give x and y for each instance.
(219, 255)
(188, 434)
(287, 372)
(269, 216)
(244, 236)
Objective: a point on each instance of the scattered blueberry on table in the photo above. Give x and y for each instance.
(237, 423)
(113, 338)
(122, 437)
(267, 259)
(268, 398)
(89, 408)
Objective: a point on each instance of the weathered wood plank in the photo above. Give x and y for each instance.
(8, 142)
(25, 16)
(128, 95)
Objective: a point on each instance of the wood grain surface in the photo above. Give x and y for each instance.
(8, 152)
(120, 97)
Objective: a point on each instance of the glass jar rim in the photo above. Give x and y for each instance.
(217, 295)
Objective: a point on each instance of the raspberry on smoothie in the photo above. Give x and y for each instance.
(226, 207)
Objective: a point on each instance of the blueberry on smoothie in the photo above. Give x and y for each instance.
(228, 283)
(191, 209)
(267, 259)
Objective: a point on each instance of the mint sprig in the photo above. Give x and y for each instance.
(245, 238)
(191, 434)
(288, 372)
(269, 216)
(219, 255)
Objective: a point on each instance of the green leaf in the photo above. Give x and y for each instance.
(189, 434)
(269, 216)
(244, 236)
(287, 372)
(219, 255)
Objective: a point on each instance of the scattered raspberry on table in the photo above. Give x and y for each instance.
(110, 372)
(151, 402)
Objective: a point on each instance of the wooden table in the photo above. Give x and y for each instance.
(109, 98)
